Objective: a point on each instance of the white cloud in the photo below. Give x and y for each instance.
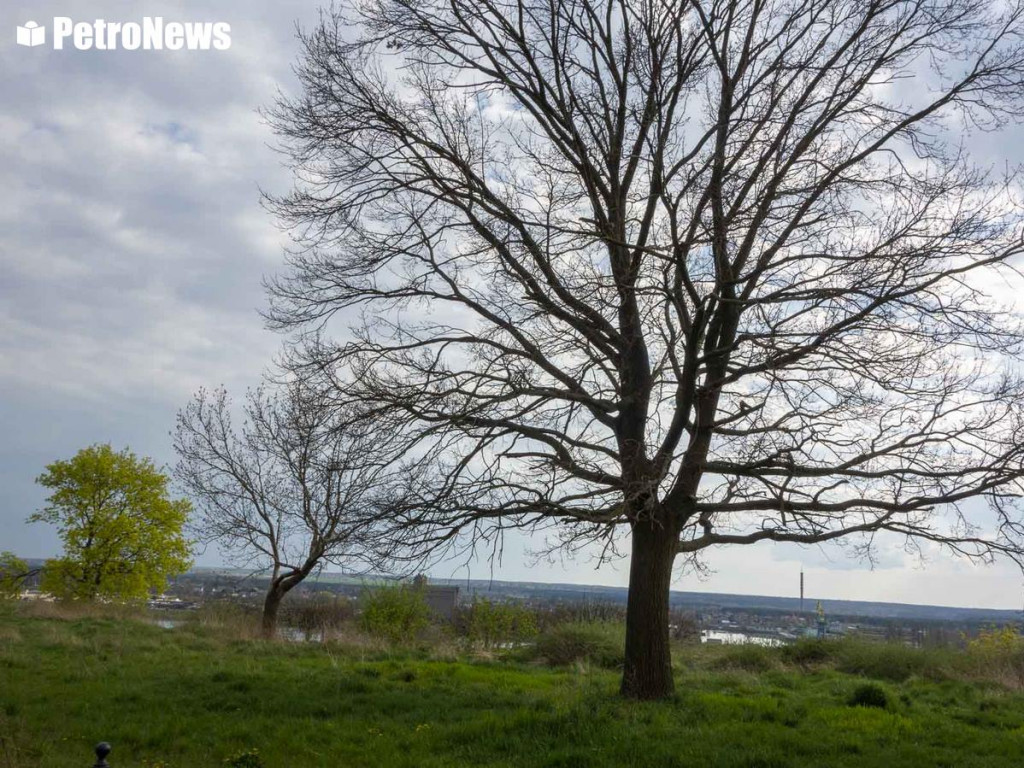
(132, 248)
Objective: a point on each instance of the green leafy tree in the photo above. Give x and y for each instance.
(122, 533)
(13, 571)
(396, 614)
(488, 623)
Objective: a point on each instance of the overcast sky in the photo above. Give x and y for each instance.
(132, 249)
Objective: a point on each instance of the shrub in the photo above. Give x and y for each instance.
(869, 695)
(999, 653)
(599, 643)
(996, 640)
(318, 614)
(396, 614)
(685, 626)
(489, 624)
(885, 661)
(749, 657)
(12, 573)
(806, 652)
(580, 612)
(236, 620)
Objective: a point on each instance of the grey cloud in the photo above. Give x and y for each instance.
(132, 248)
(132, 242)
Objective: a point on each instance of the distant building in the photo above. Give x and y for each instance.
(441, 599)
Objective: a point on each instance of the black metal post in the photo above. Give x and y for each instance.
(102, 750)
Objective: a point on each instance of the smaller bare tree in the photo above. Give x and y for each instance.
(297, 487)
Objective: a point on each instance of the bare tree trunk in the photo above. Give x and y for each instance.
(647, 673)
(271, 604)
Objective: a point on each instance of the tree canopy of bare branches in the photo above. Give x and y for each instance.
(295, 488)
(711, 272)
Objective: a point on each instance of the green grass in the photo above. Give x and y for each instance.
(193, 696)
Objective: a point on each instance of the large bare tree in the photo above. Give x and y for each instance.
(294, 488)
(711, 272)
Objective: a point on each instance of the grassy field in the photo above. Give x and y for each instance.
(200, 694)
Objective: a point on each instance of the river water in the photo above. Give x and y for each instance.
(737, 638)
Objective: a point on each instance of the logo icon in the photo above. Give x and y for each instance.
(31, 34)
